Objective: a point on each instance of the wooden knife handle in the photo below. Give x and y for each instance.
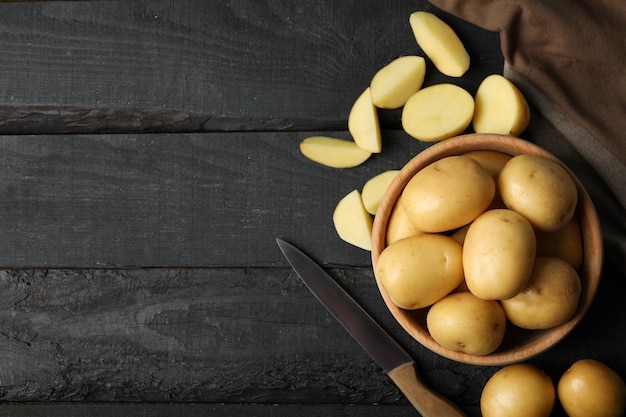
(425, 400)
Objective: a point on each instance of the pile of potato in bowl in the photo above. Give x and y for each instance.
(487, 249)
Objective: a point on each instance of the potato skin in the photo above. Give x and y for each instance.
(448, 194)
(498, 254)
(419, 270)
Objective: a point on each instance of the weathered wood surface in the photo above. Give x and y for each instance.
(148, 160)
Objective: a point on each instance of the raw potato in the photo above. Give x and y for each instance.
(333, 152)
(438, 112)
(549, 299)
(493, 162)
(520, 390)
(352, 222)
(591, 388)
(418, 271)
(539, 189)
(399, 225)
(375, 188)
(440, 43)
(447, 194)
(498, 254)
(463, 322)
(500, 107)
(393, 84)
(363, 123)
(565, 243)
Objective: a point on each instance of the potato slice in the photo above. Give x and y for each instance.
(440, 43)
(438, 112)
(352, 222)
(500, 107)
(333, 152)
(393, 84)
(375, 188)
(363, 123)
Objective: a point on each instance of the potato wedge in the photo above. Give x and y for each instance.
(363, 123)
(393, 84)
(500, 107)
(375, 188)
(440, 43)
(333, 152)
(352, 222)
(438, 112)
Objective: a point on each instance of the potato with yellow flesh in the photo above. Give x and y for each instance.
(393, 84)
(333, 152)
(374, 189)
(418, 271)
(500, 107)
(352, 222)
(493, 162)
(399, 225)
(591, 388)
(363, 123)
(464, 323)
(519, 390)
(540, 189)
(498, 254)
(447, 194)
(565, 243)
(437, 112)
(549, 299)
(440, 43)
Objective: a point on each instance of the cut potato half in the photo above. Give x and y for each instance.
(393, 84)
(363, 123)
(438, 112)
(375, 188)
(440, 43)
(500, 107)
(352, 222)
(333, 152)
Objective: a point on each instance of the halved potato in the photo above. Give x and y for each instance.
(393, 84)
(500, 107)
(352, 222)
(440, 43)
(375, 188)
(333, 152)
(438, 112)
(363, 123)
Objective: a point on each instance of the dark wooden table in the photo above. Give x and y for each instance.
(149, 158)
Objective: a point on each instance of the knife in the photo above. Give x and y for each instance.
(389, 355)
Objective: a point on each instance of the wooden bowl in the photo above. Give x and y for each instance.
(518, 345)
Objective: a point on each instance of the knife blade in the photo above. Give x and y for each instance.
(387, 353)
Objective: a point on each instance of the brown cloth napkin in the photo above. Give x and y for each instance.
(569, 60)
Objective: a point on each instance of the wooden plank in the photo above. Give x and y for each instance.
(197, 65)
(174, 199)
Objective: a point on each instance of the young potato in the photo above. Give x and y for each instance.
(363, 123)
(549, 299)
(463, 322)
(565, 243)
(498, 254)
(519, 390)
(399, 225)
(591, 388)
(437, 112)
(374, 189)
(540, 189)
(352, 222)
(333, 152)
(419, 270)
(500, 107)
(393, 84)
(493, 162)
(439, 42)
(447, 194)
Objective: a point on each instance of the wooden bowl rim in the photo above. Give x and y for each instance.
(590, 271)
